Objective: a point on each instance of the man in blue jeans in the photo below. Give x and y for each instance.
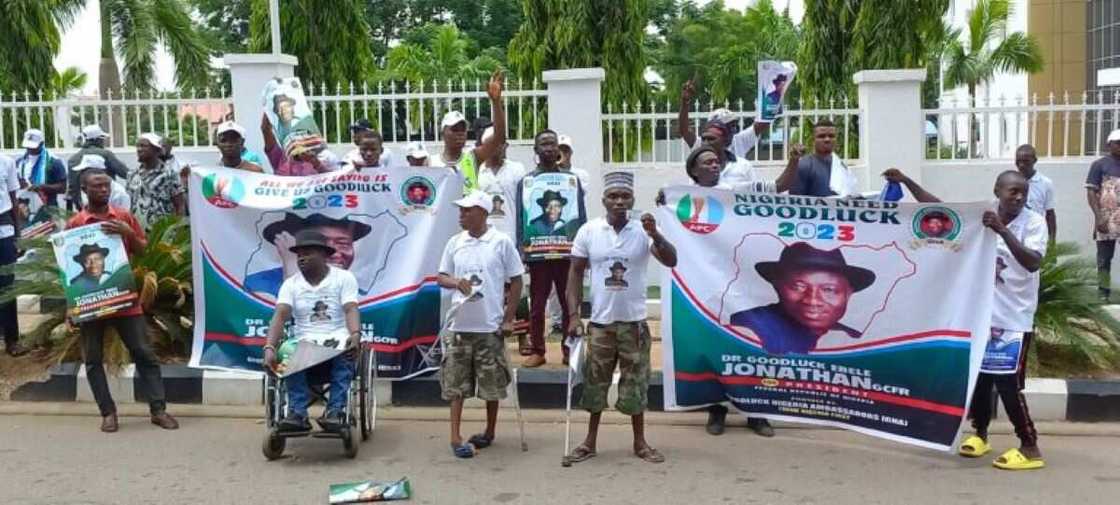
(322, 301)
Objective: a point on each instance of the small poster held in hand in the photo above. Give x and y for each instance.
(96, 276)
(774, 79)
(287, 109)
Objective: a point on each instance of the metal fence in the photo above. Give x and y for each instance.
(647, 135)
(1065, 126)
(404, 112)
(187, 119)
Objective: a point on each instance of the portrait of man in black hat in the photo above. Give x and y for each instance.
(551, 221)
(340, 233)
(92, 259)
(617, 278)
(813, 288)
(937, 224)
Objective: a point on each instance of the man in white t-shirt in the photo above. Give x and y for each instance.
(617, 250)
(478, 263)
(499, 177)
(1019, 251)
(10, 223)
(322, 302)
(1040, 194)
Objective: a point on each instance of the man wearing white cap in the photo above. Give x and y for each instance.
(478, 263)
(1103, 188)
(416, 155)
(42, 177)
(118, 196)
(10, 223)
(156, 191)
(454, 129)
(231, 143)
(617, 249)
(93, 143)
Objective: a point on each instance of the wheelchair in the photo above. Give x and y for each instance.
(361, 405)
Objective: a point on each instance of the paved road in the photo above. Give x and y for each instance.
(65, 460)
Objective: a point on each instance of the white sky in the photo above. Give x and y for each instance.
(81, 45)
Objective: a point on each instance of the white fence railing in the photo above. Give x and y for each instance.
(1069, 126)
(647, 135)
(403, 112)
(188, 120)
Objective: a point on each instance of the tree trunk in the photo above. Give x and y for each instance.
(973, 124)
(109, 81)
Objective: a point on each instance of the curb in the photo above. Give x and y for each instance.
(1048, 399)
(532, 416)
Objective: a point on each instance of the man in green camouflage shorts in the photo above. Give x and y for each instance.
(618, 333)
(478, 263)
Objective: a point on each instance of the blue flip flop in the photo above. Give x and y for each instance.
(463, 451)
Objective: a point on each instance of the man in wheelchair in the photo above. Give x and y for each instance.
(322, 301)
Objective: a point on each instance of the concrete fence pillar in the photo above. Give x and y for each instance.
(249, 73)
(891, 122)
(575, 110)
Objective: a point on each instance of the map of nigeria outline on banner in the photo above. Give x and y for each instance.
(368, 217)
(803, 309)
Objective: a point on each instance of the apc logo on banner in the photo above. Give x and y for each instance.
(223, 191)
(700, 214)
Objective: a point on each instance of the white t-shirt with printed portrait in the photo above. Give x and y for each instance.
(488, 262)
(502, 187)
(617, 263)
(1016, 294)
(317, 310)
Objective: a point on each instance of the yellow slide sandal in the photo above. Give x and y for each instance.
(974, 447)
(1014, 459)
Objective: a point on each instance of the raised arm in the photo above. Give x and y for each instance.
(498, 106)
(789, 176)
(920, 194)
(683, 126)
(661, 249)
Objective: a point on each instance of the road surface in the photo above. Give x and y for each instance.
(65, 460)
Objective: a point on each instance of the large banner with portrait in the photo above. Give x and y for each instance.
(551, 211)
(867, 315)
(387, 227)
(96, 276)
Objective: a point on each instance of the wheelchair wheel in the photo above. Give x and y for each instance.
(349, 443)
(368, 398)
(273, 447)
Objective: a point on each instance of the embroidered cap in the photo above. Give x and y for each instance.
(618, 180)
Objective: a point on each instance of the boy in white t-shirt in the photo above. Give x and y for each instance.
(322, 302)
(1019, 251)
(617, 250)
(478, 263)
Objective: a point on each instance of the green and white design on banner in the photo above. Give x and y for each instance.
(388, 228)
(826, 311)
(96, 276)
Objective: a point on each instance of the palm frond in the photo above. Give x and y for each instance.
(186, 43)
(1017, 53)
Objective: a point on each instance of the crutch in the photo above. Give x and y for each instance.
(517, 409)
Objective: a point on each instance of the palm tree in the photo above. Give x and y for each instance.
(444, 57)
(136, 29)
(67, 82)
(987, 48)
(30, 39)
